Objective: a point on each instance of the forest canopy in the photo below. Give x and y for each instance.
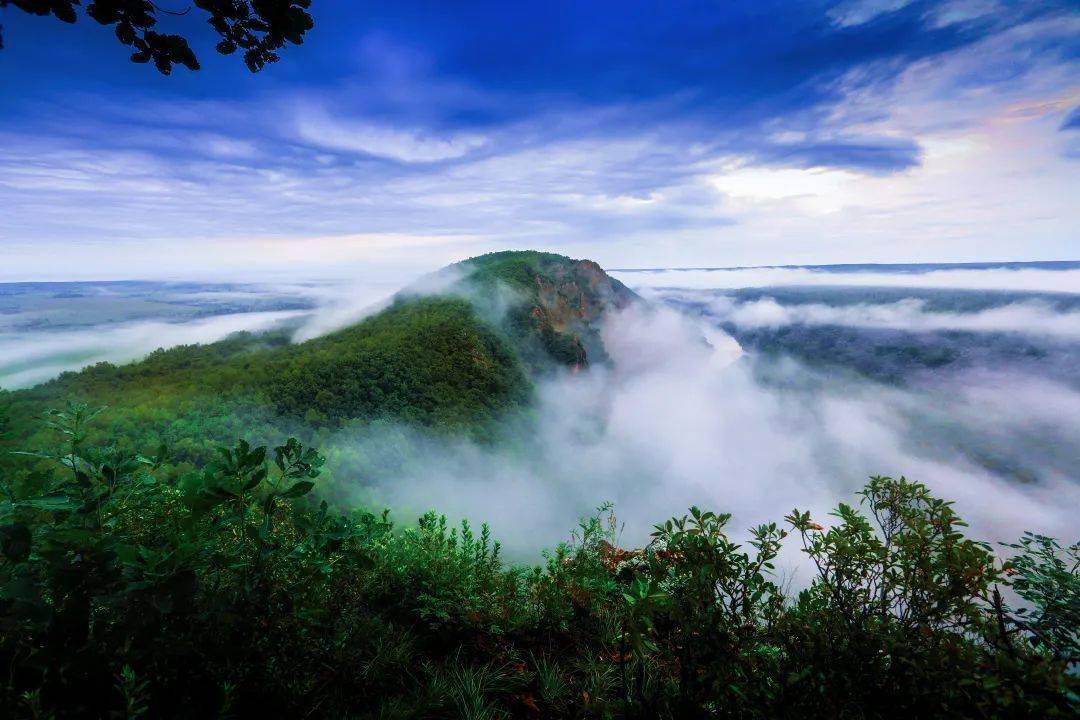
(232, 593)
(193, 550)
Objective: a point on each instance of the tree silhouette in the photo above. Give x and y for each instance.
(259, 28)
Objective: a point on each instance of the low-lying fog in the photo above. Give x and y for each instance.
(810, 383)
(678, 423)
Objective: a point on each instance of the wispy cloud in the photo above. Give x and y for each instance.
(1031, 317)
(30, 358)
(857, 12)
(1030, 279)
(861, 131)
(322, 130)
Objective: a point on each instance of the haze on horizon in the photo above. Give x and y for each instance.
(563, 359)
(399, 138)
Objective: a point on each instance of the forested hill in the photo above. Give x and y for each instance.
(460, 359)
(217, 576)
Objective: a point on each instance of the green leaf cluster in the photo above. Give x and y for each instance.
(231, 592)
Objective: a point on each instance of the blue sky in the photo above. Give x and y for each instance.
(409, 134)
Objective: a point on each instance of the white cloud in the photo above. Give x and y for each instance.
(359, 136)
(814, 190)
(951, 12)
(857, 12)
(229, 148)
(1031, 317)
(28, 358)
(1022, 279)
(675, 425)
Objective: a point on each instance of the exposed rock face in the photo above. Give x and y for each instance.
(553, 306)
(457, 352)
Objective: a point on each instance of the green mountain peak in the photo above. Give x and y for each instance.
(460, 358)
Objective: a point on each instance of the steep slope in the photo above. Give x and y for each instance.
(549, 305)
(428, 360)
(460, 360)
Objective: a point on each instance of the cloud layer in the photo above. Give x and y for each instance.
(28, 358)
(1031, 317)
(1023, 278)
(677, 423)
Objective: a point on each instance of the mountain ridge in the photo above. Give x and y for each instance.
(462, 359)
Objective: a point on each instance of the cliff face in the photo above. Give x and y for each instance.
(552, 306)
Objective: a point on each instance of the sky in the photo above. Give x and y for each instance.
(405, 135)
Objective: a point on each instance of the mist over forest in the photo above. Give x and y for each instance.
(573, 360)
(967, 379)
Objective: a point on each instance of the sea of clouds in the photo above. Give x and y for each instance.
(676, 423)
(29, 357)
(1008, 277)
(1027, 317)
(686, 416)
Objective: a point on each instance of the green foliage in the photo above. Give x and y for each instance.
(5, 412)
(441, 364)
(229, 592)
(428, 363)
(515, 269)
(899, 612)
(1047, 576)
(258, 27)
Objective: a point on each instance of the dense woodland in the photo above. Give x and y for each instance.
(456, 362)
(153, 565)
(231, 593)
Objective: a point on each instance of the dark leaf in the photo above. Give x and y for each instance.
(298, 490)
(15, 541)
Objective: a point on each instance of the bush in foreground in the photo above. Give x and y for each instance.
(230, 593)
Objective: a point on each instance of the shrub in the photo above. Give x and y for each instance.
(229, 591)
